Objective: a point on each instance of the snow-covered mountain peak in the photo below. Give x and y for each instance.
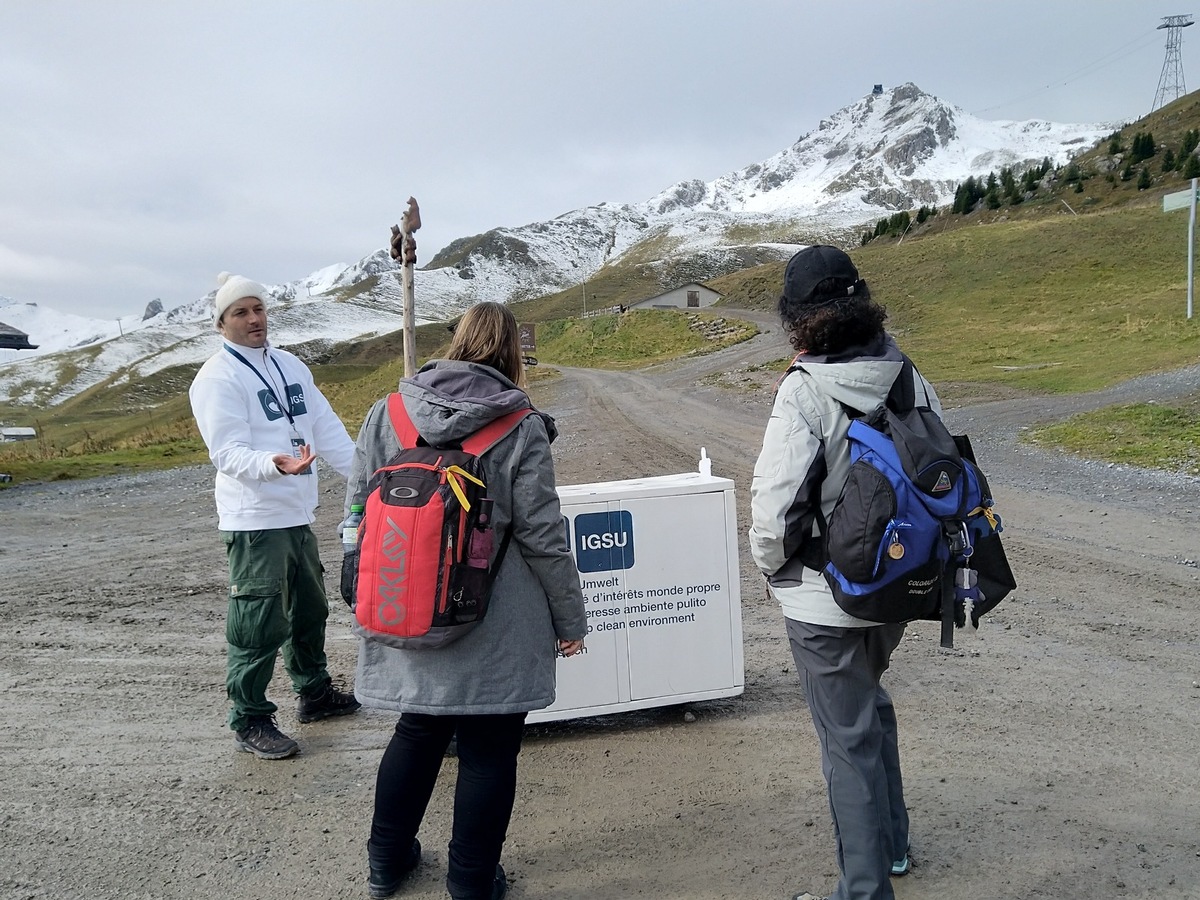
(894, 149)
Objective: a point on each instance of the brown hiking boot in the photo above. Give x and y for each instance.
(264, 739)
(327, 702)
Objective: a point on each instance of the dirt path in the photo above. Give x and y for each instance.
(1052, 756)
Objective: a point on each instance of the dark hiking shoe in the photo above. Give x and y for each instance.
(386, 877)
(327, 702)
(500, 885)
(499, 888)
(262, 738)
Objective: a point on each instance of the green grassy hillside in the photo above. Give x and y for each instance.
(1056, 304)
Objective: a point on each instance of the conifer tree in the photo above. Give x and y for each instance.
(1191, 169)
(1136, 154)
(965, 196)
(1143, 182)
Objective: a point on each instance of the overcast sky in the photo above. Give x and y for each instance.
(147, 146)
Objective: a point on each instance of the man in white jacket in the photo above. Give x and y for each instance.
(264, 423)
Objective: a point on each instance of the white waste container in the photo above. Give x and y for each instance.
(658, 564)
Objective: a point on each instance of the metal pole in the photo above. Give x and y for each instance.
(1191, 244)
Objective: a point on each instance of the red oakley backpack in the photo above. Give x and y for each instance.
(425, 569)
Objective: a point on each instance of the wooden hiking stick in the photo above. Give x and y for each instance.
(404, 248)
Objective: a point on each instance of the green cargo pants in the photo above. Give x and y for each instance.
(276, 599)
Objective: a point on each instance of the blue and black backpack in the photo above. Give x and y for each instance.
(913, 534)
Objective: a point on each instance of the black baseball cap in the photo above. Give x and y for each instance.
(814, 265)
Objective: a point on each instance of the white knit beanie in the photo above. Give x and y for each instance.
(232, 289)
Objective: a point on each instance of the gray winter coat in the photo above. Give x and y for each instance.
(507, 664)
(805, 461)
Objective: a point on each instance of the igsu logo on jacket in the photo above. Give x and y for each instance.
(270, 403)
(604, 541)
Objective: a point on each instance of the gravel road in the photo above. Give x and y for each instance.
(1052, 755)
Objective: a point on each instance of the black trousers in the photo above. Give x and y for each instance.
(483, 797)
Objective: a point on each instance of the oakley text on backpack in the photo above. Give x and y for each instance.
(425, 570)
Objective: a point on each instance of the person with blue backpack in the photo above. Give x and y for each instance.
(847, 367)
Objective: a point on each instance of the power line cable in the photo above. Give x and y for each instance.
(1140, 42)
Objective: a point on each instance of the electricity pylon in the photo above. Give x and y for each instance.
(1170, 82)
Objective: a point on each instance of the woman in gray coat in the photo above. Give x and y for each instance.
(481, 686)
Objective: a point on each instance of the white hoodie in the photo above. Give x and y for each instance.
(243, 426)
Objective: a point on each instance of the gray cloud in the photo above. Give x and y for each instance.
(147, 145)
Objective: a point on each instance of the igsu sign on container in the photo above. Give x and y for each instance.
(658, 565)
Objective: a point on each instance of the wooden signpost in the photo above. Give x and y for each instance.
(404, 248)
(528, 335)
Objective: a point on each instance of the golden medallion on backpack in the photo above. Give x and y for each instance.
(896, 550)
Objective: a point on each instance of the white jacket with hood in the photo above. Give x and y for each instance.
(805, 460)
(243, 427)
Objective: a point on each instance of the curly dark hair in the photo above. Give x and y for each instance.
(832, 323)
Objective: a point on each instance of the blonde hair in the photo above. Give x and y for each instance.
(488, 334)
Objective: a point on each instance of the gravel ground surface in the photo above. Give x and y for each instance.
(1053, 755)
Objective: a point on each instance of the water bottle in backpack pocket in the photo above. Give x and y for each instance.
(993, 576)
(349, 533)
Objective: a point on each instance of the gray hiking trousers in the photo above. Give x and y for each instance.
(840, 669)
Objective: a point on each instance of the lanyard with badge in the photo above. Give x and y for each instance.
(285, 408)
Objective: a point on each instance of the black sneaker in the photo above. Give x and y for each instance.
(328, 702)
(500, 884)
(499, 887)
(264, 739)
(386, 878)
